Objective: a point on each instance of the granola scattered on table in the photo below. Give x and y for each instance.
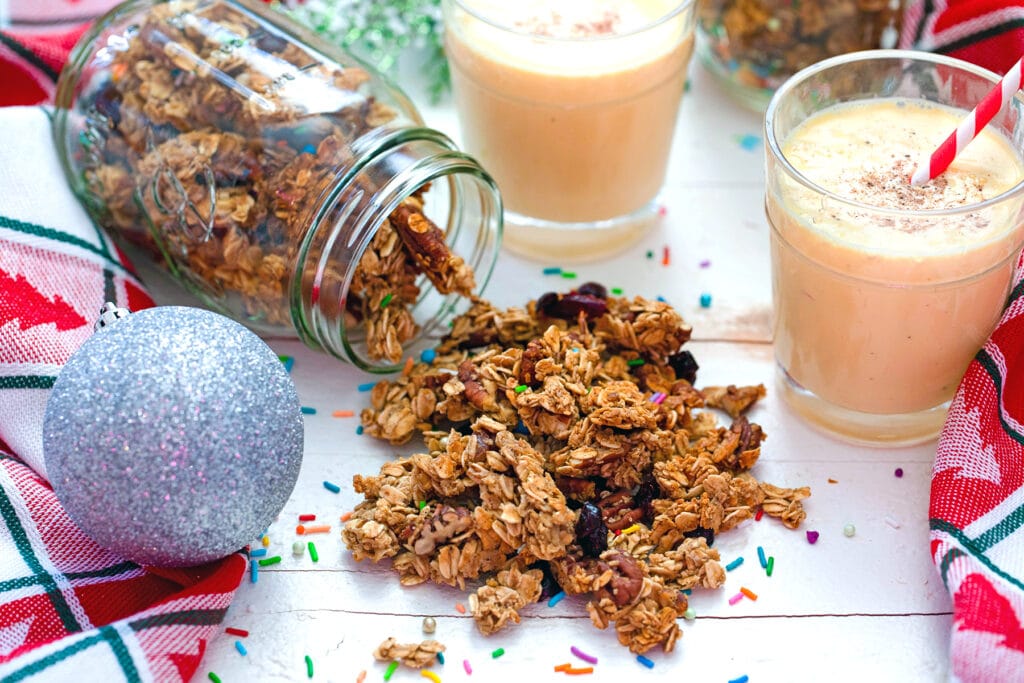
(565, 440)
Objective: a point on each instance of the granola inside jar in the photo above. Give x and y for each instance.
(282, 181)
(753, 46)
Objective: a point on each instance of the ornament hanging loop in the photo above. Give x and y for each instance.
(110, 314)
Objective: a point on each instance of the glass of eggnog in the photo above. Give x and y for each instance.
(883, 291)
(571, 107)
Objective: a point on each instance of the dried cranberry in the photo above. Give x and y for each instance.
(548, 584)
(571, 305)
(685, 366)
(593, 289)
(268, 42)
(591, 532)
(707, 534)
(645, 495)
(108, 103)
(546, 304)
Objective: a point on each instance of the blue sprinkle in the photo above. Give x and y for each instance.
(258, 552)
(367, 387)
(309, 149)
(241, 648)
(742, 679)
(554, 270)
(705, 300)
(428, 355)
(735, 563)
(306, 410)
(688, 591)
(359, 429)
(761, 558)
(646, 662)
(288, 362)
(333, 488)
(748, 142)
(575, 349)
(440, 657)
(521, 429)
(662, 299)
(254, 572)
(556, 598)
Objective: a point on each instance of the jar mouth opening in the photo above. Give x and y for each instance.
(463, 201)
(773, 141)
(675, 11)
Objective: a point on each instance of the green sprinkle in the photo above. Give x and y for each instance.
(617, 291)
(287, 361)
(309, 666)
(422, 504)
(568, 275)
(386, 300)
(521, 388)
(213, 677)
(313, 555)
(771, 565)
(635, 362)
(497, 653)
(391, 670)
(266, 562)
(650, 254)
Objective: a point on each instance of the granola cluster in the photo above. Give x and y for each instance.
(565, 440)
(412, 655)
(216, 143)
(763, 42)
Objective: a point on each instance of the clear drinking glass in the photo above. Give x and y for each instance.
(571, 107)
(878, 311)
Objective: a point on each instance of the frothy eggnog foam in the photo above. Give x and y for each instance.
(866, 151)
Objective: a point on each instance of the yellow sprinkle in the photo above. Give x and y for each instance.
(631, 529)
(266, 541)
(431, 675)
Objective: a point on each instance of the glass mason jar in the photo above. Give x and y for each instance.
(284, 182)
(753, 46)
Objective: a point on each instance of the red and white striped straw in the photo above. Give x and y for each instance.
(969, 128)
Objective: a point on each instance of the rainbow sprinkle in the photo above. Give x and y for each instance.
(428, 356)
(742, 679)
(431, 675)
(306, 410)
(646, 662)
(705, 300)
(634, 362)
(386, 300)
(553, 270)
(761, 557)
(771, 566)
(213, 677)
(254, 572)
(497, 653)
(556, 598)
(735, 563)
(568, 275)
(749, 593)
(266, 562)
(736, 598)
(590, 659)
(258, 552)
(812, 537)
(309, 666)
(241, 648)
(313, 554)
(236, 632)
(287, 361)
(390, 671)
(368, 386)
(467, 667)
(333, 488)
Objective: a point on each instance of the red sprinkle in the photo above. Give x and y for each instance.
(664, 256)
(460, 608)
(759, 515)
(307, 518)
(242, 633)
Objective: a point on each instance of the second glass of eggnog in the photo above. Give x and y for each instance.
(571, 107)
(883, 292)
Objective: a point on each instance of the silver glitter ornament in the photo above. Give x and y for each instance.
(173, 436)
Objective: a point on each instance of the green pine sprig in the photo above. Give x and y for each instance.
(379, 31)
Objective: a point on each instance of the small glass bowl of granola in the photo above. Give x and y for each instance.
(753, 46)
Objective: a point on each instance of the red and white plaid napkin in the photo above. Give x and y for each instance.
(69, 609)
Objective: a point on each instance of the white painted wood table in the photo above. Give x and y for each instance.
(866, 608)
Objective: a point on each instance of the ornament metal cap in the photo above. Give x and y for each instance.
(110, 314)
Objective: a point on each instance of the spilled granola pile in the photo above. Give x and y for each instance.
(565, 441)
